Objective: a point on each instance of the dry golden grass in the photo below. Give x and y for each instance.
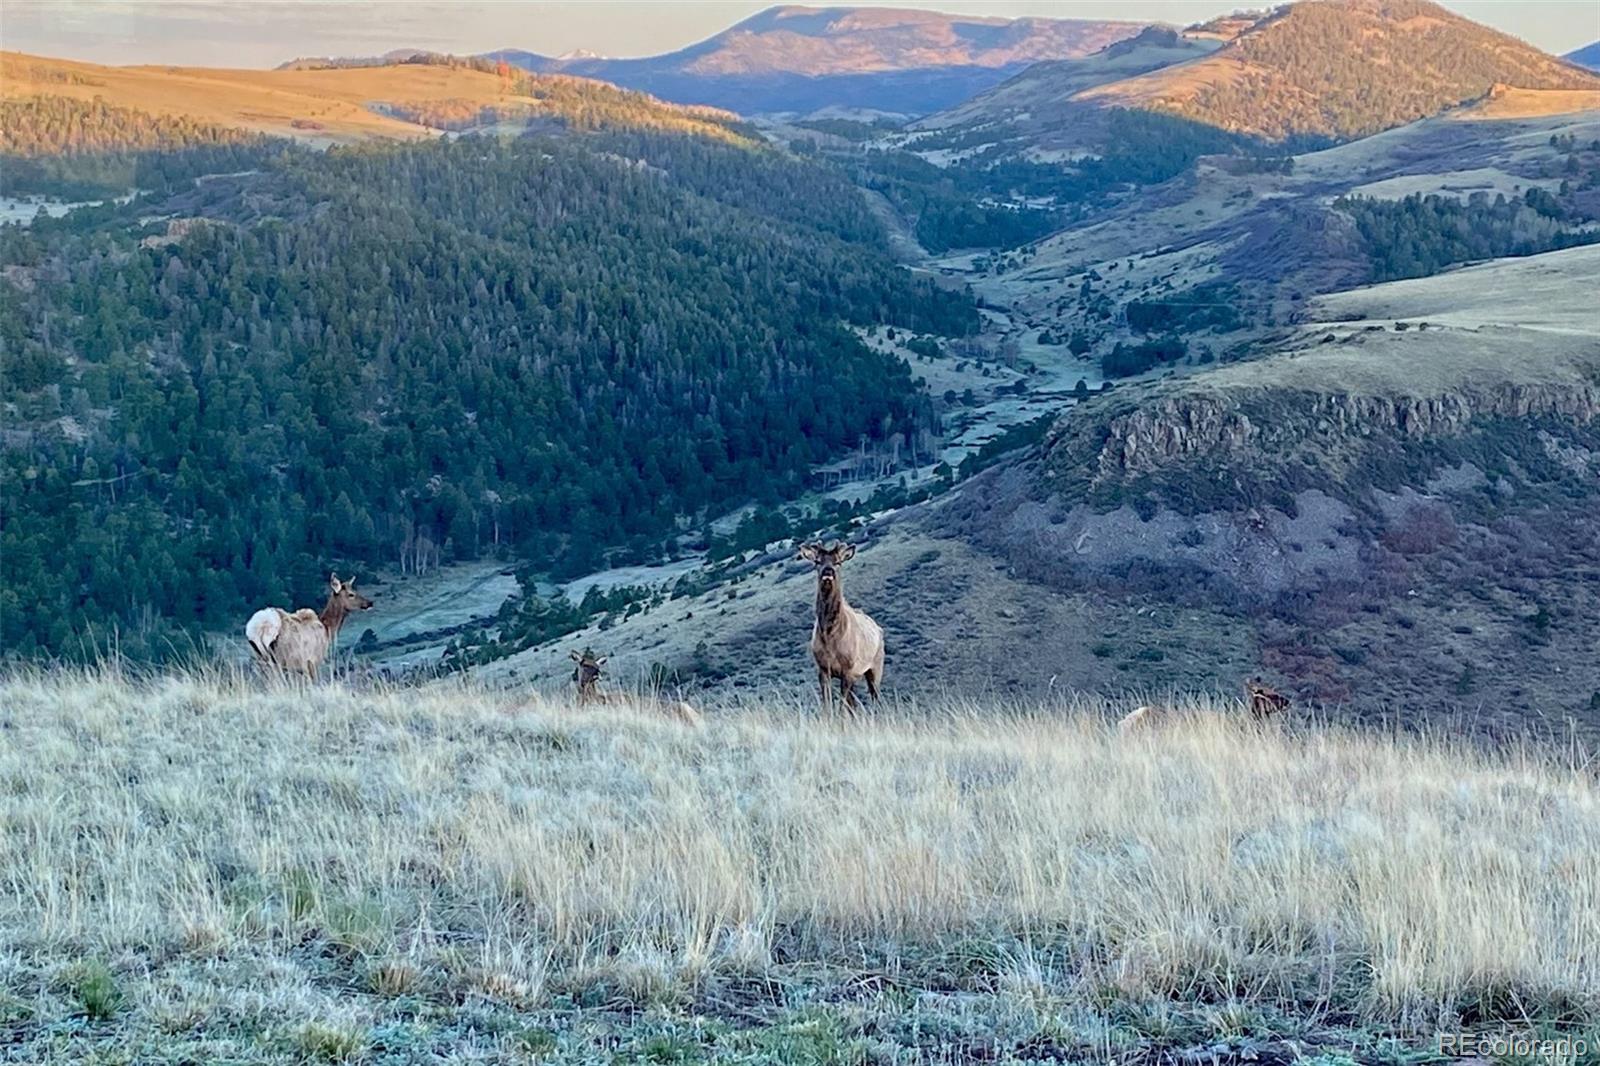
(1507, 101)
(277, 859)
(321, 106)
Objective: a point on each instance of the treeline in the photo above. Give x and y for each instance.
(577, 103)
(546, 348)
(1422, 235)
(87, 149)
(998, 199)
(1215, 305)
(952, 207)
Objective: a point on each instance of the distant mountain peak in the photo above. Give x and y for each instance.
(1587, 56)
(1343, 68)
(802, 58)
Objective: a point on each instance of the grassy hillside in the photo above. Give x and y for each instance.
(330, 105)
(1344, 68)
(1042, 87)
(204, 868)
(1313, 71)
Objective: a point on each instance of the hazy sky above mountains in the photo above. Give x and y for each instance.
(244, 33)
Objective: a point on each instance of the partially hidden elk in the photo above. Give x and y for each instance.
(1142, 718)
(299, 641)
(845, 642)
(586, 675)
(1264, 701)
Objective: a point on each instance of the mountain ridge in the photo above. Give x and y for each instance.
(1587, 56)
(1333, 69)
(1284, 77)
(335, 101)
(795, 58)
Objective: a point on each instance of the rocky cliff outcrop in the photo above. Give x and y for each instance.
(1264, 429)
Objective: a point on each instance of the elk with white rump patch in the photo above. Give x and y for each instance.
(301, 640)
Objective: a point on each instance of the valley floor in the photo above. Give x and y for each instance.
(206, 868)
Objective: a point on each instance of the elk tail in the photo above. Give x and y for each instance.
(262, 630)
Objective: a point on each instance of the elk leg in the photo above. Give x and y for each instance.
(872, 683)
(827, 694)
(848, 692)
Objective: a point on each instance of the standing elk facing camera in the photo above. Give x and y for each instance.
(846, 643)
(301, 640)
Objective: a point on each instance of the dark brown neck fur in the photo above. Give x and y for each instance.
(333, 615)
(830, 605)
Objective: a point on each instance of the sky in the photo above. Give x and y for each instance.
(254, 33)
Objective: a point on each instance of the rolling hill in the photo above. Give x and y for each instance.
(1042, 86)
(801, 59)
(390, 99)
(1342, 69)
(1330, 69)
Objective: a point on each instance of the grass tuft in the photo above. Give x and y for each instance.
(95, 988)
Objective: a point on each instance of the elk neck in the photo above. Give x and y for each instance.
(830, 604)
(333, 615)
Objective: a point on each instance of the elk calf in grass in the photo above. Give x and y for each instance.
(1264, 702)
(301, 640)
(1142, 718)
(586, 675)
(845, 642)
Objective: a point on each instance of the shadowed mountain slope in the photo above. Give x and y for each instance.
(804, 58)
(1587, 56)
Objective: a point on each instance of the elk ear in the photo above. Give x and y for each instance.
(844, 553)
(602, 660)
(809, 552)
(350, 584)
(576, 657)
(333, 582)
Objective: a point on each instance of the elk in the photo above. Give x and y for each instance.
(845, 642)
(300, 641)
(1264, 702)
(586, 675)
(1142, 718)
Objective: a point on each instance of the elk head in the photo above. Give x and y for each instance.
(827, 561)
(587, 673)
(343, 594)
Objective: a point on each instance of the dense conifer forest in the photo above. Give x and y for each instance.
(83, 149)
(544, 348)
(1422, 235)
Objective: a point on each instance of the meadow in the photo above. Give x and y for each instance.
(203, 866)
